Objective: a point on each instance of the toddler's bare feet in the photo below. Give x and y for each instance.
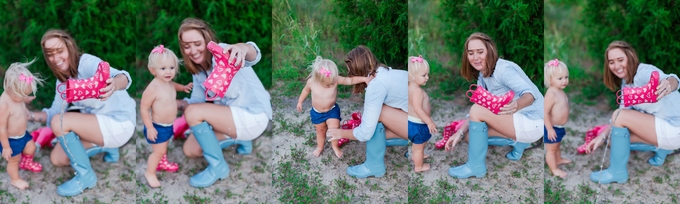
(20, 184)
(563, 161)
(152, 180)
(317, 152)
(559, 172)
(425, 167)
(338, 152)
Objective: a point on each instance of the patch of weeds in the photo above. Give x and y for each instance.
(555, 192)
(516, 174)
(193, 198)
(658, 179)
(296, 187)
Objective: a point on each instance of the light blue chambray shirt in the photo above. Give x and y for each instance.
(120, 106)
(246, 90)
(389, 87)
(509, 76)
(667, 108)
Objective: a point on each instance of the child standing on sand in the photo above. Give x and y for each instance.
(420, 124)
(322, 83)
(556, 109)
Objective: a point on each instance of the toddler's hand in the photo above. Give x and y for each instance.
(368, 79)
(552, 136)
(151, 134)
(299, 107)
(7, 153)
(432, 127)
(188, 87)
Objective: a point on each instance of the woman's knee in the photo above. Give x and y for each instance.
(476, 113)
(191, 151)
(617, 118)
(59, 159)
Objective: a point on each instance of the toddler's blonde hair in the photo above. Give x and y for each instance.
(415, 64)
(550, 68)
(324, 71)
(18, 78)
(156, 58)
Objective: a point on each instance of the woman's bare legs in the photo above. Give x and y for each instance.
(395, 121)
(498, 125)
(219, 117)
(85, 126)
(641, 125)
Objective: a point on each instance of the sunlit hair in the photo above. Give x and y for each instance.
(361, 62)
(549, 69)
(415, 65)
(208, 35)
(71, 48)
(612, 81)
(469, 72)
(156, 58)
(323, 71)
(18, 79)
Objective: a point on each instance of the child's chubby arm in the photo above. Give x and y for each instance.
(183, 88)
(354, 80)
(304, 94)
(416, 98)
(148, 97)
(4, 138)
(548, 103)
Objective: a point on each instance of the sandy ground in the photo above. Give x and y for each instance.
(249, 180)
(294, 132)
(646, 183)
(505, 181)
(115, 182)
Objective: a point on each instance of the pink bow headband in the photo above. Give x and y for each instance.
(417, 59)
(27, 79)
(554, 63)
(325, 72)
(158, 49)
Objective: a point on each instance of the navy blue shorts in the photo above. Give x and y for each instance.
(418, 133)
(164, 134)
(318, 118)
(560, 134)
(17, 145)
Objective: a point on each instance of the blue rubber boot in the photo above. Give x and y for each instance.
(111, 154)
(396, 142)
(618, 159)
(244, 147)
(477, 147)
(659, 154)
(85, 176)
(217, 166)
(517, 147)
(375, 156)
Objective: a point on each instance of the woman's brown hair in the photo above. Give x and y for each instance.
(361, 62)
(207, 33)
(612, 81)
(71, 48)
(469, 72)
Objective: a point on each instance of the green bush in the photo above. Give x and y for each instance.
(24, 23)
(233, 21)
(381, 26)
(651, 27)
(515, 25)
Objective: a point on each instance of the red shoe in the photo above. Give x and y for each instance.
(637, 95)
(449, 130)
(219, 80)
(81, 89)
(348, 125)
(590, 135)
(179, 127)
(484, 98)
(165, 165)
(43, 137)
(28, 163)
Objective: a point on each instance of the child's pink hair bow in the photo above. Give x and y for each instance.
(325, 72)
(417, 59)
(158, 49)
(27, 79)
(554, 63)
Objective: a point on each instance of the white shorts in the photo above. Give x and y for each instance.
(667, 136)
(527, 130)
(248, 126)
(115, 133)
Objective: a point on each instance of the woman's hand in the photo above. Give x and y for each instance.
(236, 54)
(596, 142)
(453, 140)
(509, 108)
(109, 89)
(663, 89)
(333, 134)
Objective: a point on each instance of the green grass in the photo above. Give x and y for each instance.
(303, 30)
